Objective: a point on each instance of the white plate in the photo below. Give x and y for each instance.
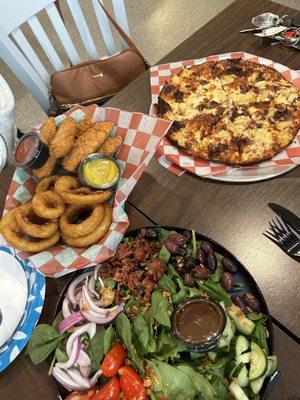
(13, 295)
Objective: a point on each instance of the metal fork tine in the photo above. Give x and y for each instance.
(271, 238)
(275, 231)
(280, 231)
(272, 235)
(282, 225)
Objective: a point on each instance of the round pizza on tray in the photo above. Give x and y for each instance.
(231, 111)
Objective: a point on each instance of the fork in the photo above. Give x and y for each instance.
(282, 235)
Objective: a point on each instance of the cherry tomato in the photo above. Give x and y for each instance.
(113, 360)
(132, 384)
(80, 395)
(110, 391)
(127, 370)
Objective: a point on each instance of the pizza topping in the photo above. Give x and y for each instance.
(162, 107)
(167, 89)
(176, 126)
(178, 96)
(282, 114)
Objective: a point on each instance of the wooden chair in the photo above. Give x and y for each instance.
(22, 59)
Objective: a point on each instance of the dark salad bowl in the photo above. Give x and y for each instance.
(242, 276)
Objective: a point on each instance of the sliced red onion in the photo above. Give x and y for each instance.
(71, 320)
(95, 378)
(91, 283)
(66, 308)
(65, 379)
(90, 328)
(77, 377)
(89, 302)
(73, 356)
(84, 360)
(73, 285)
(102, 320)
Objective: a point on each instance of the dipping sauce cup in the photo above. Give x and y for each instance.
(199, 324)
(99, 171)
(30, 152)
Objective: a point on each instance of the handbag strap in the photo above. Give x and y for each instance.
(126, 38)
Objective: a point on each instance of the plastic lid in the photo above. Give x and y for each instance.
(27, 150)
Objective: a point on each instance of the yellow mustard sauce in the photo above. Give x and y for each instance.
(100, 172)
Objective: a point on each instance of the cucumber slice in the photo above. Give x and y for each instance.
(237, 391)
(244, 358)
(227, 334)
(241, 322)
(258, 362)
(271, 368)
(242, 378)
(237, 370)
(242, 345)
(230, 368)
(272, 365)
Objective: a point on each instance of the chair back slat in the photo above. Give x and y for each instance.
(63, 34)
(83, 29)
(17, 62)
(30, 54)
(121, 18)
(44, 41)
(104, 28)
(15, 12)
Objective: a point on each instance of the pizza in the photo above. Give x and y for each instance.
(231, 111)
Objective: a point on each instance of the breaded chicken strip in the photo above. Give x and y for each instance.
(48, 131)
(85, 124)
(110, 146)
(46, 169)
(86, 144)
(64, 139)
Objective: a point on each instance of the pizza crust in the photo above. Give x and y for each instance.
(232, 111)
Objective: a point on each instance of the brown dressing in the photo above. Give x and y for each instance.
(198, 321)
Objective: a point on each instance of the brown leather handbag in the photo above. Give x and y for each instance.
(96, 81)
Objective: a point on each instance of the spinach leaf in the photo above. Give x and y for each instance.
(123, 329)
(259, 336)
(172, 272)
(216, 275)
(220, 389)
(151, 348)
(44, 340)
(109, 337)
(60, 355)
(166, 283)
(215, 291)
(57, 320)
(180, 296)
(109, 282)
(167, 346)
(202, 385)
(95, 349)
(164, 254)
(163, 234)
(141, 331)
(159, 308)
(170, 382)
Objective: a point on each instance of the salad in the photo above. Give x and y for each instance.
(113, 338)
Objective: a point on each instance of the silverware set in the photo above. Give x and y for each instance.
(284, 231)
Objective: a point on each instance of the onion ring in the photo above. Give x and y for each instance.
(48, 205)
(47, 184)
(85, 196)
(13, 237)
(33, 225)
(96, 235)
(68, 225)
(66, 183)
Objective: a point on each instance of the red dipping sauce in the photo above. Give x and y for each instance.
(30, 152)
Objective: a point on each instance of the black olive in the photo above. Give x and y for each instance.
(211, 261)
(229, 265)
(188, 235)
(189, 262)
(171, 246)
(207, 247)
(201, 255)
(188, 280)
(151, 234)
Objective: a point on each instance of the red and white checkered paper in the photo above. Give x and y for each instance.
(141, 135)
(178, 161)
